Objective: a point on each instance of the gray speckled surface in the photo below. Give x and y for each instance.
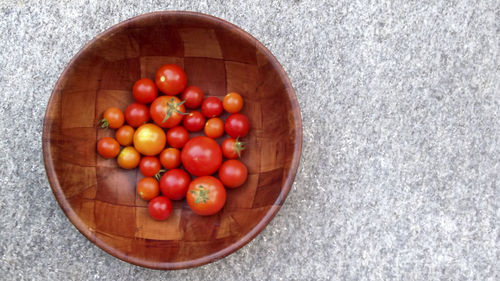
(399, 176)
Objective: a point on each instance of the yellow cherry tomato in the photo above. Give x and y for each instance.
(149, 139)
(128, 158)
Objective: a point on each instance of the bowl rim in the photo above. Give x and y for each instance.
(84, 229)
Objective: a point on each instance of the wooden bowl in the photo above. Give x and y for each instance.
(100, 199)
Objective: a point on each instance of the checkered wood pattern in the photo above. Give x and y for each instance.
(100, 199)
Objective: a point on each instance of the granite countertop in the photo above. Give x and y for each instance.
(399, 175)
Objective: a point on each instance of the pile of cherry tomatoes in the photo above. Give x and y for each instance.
(153, 134)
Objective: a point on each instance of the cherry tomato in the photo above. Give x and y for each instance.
(206, 195)
(170, 158)
(194, 121)
(193, 96)
(211, 107)
(149, 166)
(128, 158)
(167, 111)
(108, 147)
(136, 114)
(112, 118)
(233, 173)
(177, 136)
(144, 90)
(125, 135)
(148, 188)
(160, 208)
(149, 139)
(232, 102)
(214, 128)
(201, 156)
(231, 148)
(171, 79)
(237, 125)
(174, 184)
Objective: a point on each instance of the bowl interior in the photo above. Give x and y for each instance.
(100, 199)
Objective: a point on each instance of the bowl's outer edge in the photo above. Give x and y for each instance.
(80, 226)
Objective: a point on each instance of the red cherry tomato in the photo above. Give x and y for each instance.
(211, 107)
(149, 166)
(214, 128)
(144, 90)
(174, 184)
(171, 79)
(231, 148)
(167, 111)
(177, 136)
(193, 97)
(237, 125)
(108, 147)
(160, 208)
(148, 188)
(233, 173)
(194, 121)
(206, 195)
(136, 114)
(170, 158)
(201, 156)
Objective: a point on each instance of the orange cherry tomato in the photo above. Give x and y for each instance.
(170, 158)
(232, 102)
(148, 188)
(149, 139)
(128, 158)
(125, 135)
(214, 128)
(108, 147)
(112, 118)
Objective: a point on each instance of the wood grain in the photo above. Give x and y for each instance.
(100, 199)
